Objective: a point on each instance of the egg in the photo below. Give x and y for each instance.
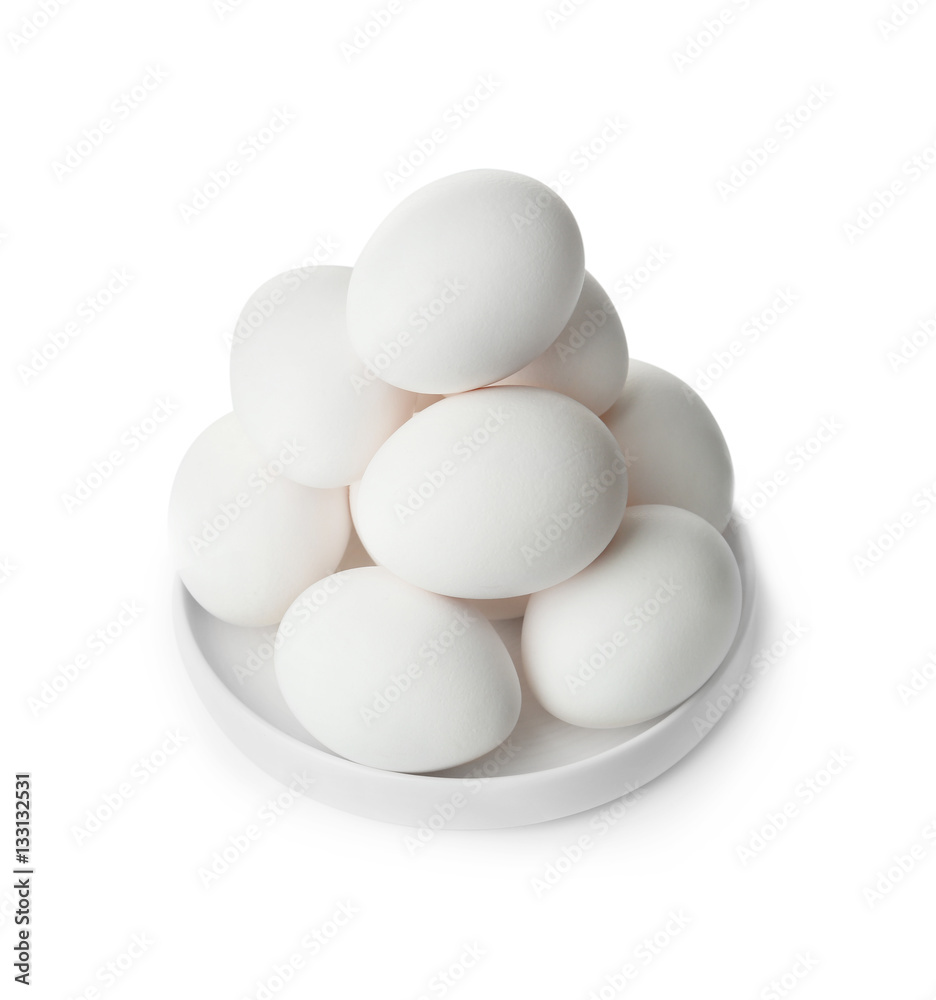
(245, 539)
(295, 378)
(588, 360)
(466, 281)
(393, 677)
(494, 610)
(676, 452)
(493, 493)
(641, 629)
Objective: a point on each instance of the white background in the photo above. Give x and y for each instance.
(795, 911)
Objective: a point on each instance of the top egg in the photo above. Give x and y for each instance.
(465, 282)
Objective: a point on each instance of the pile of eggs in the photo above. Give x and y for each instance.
(459, 411)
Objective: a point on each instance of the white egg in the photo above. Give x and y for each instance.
(466, 281)
(676, 451)
(295, 378)
(493, 493)
(495, 610)
(639, 630)
(588, 361)
(390, 676)
(245, 539)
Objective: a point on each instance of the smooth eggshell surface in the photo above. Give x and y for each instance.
(493, 493)
(245, 539)
(390, 676)
(296, 381)
(466, 281)
(676, 452)
(495, 610)
(588, 361)
(639, 630)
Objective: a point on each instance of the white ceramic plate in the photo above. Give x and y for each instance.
(546, 769)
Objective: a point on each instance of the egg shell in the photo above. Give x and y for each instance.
(588, 360)
(493, 493)
(495, 610)
(245, 539)
(676, 452)
(639, 630)
(466, 281)
(390, 676)
(294, 377)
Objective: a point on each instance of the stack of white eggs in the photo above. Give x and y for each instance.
(454, 411)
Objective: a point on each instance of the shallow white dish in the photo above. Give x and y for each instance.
(545, 770)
